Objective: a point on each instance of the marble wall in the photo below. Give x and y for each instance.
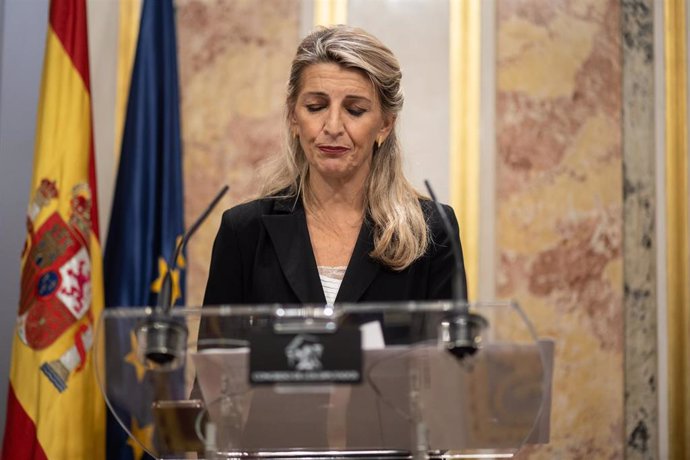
(234, 59)
(560, 208)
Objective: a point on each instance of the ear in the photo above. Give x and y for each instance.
(386, 128)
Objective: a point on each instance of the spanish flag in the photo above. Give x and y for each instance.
(55, 409)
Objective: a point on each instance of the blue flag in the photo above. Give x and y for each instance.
(147, 215)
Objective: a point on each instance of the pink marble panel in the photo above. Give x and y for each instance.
(234, 59)
(559, 206)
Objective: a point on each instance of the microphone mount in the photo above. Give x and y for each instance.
(162, 340)
(460, 329)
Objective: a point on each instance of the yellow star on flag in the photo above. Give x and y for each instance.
(140, 435)
(133, 359)
(158, 283)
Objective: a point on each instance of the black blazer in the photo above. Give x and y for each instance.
(263, 254)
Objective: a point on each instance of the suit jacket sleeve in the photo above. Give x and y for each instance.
(442, 266)
(224, 284)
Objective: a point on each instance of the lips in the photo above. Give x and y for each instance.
(333, 149)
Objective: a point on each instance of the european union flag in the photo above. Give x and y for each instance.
(147, 214)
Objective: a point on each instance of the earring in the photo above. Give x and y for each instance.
(378, 143)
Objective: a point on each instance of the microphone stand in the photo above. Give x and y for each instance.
(460, 329)
(163, 340)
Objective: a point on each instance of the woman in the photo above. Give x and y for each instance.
(337, 220)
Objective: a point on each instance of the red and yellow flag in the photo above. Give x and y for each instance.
(55, 409)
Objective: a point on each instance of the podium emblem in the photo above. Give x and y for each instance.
(305, 357)
(304, 353)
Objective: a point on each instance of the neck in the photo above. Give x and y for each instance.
(336, 196)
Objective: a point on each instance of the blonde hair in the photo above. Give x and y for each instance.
(399, 229)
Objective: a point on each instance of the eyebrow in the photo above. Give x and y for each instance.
(348, 97)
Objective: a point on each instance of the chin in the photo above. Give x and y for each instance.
(335, 171)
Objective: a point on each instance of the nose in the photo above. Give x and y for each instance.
(334, 123)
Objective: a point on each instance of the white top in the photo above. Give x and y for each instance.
(331, 279)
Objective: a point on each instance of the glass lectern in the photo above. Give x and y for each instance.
(312, 382)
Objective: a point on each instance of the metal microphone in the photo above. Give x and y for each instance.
(460, 329)
(162, 341)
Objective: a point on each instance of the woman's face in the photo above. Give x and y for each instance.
(338, 118)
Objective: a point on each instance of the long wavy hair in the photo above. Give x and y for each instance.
(391, 203)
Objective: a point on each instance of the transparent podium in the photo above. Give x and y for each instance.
(400, 381)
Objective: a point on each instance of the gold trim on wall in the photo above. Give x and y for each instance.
(464, 59)
(328, 12)
(678, 275)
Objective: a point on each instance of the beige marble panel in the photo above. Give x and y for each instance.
(559, 206)
(234, 59)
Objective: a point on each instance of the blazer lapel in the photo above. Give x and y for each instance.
(361, 270)
(287, 228)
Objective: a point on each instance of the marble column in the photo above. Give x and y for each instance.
(639, 233)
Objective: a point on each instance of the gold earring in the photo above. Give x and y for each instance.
(378, 143)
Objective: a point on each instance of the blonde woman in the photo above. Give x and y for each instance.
(337, 220)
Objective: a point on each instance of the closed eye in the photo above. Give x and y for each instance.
(314, 107)
(356, 112)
